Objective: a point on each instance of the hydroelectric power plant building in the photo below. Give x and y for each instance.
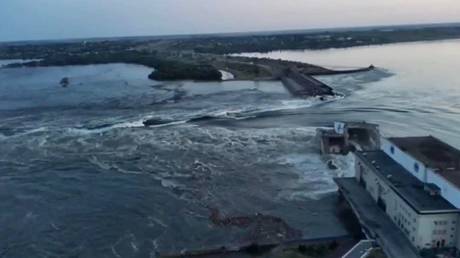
(416, 182)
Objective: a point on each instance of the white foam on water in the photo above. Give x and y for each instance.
(292, 104)
(236, 114)
(346, 165)
(167, 183)
(315, 178)
(313, 195)
(226, 75)
(129, 124)
(95, 161)
(252, 111)
(168, 124)
(156, 221)
(79, 131)
(36, 130)
(155, 245)
(5, 62)
(138, 123)
(32, 131)
(124, 171)
(131, 238)
(297, 103)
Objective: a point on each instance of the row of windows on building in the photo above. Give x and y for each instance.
(442, 222)
(409, 214)
(439, 231)
(444, 230)
(404, 222)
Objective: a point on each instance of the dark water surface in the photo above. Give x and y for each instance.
(80, 176)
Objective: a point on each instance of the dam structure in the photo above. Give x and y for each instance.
(302, 85)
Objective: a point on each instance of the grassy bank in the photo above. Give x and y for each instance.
(165, 69)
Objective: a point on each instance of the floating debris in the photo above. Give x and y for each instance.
(65, 82)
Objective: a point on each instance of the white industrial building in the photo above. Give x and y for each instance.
(430, 160)
(416, 181)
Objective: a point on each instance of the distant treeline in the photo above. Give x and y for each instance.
(164, 69)
(323, 40)
(192, 58)
(42, 50)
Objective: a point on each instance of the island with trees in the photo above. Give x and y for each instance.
(202, 57)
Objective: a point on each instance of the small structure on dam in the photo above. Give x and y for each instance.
(349, 136)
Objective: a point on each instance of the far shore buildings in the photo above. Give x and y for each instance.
(416, 181)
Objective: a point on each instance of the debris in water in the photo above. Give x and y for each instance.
(331, 165)
(65, 82)
(262, 228)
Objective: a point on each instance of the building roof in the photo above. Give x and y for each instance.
(433, 153)
(407, 186)
(360, 124)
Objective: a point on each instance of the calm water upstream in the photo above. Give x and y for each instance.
(81, 176)
(415, 91)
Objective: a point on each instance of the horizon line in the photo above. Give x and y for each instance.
(230, 34)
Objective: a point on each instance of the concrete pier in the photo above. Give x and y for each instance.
(301, 85)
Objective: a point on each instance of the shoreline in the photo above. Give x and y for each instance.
(296, 77)
(201, 58)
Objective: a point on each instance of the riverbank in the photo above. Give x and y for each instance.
(181, 65)
(128, 181)
(201, 57)
(318, 40)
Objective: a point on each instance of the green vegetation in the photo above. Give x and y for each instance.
(181, 71)
(199, 58)
(43, 50)
(165, 69)
(247, 67)
(318, 40)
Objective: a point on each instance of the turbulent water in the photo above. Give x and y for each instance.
(415, 91)
(81, 175)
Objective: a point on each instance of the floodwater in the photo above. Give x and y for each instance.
(414, 91)
(81, 175)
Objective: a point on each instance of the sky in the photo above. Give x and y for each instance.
(62, 19)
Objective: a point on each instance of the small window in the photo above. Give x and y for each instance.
(416, 167)
(392, 149)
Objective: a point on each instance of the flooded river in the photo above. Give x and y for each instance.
(81, 175)
(415, 91)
